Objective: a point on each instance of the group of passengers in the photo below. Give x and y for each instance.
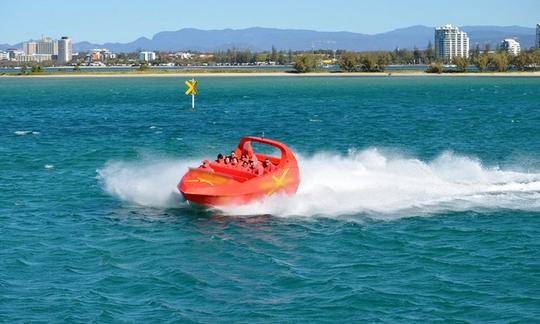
(243, 163)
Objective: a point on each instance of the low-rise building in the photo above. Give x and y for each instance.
(37, 58)
(183, 55)
(101, 54)
(511, 46)
(4, 56)
(95, 56)
(147, 56)
(14, 52)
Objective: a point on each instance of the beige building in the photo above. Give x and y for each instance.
(38, 58)
(47, 46)
(30, 48)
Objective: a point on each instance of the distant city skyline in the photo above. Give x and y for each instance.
(121, 21)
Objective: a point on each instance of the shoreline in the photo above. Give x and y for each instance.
(269, 74)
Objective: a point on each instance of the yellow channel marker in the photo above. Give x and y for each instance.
(192, 88)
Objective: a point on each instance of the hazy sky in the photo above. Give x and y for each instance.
(120, 20)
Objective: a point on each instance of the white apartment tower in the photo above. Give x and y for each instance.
(511, 46)
(64, 50)
(147, 56)
(450, 42)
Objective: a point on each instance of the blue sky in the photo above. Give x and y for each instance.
(103, 21)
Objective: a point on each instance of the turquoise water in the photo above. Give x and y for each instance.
(420, 200)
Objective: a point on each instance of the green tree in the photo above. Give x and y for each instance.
(429, 52)
(461, 63)
(274, 54)
(144, 66)
(499, 61)
(521, 61)
(281, 59)
(24, 69)
(475, 52)
(304, 63)
(37, 69)
(383, 59)
(368, 62)
(417, 54)
(435, 67)
(348, 62)
(481, 61)
(535, 58)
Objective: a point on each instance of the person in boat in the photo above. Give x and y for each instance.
(227, 161)
(244, 158)
(220, 158)
(233, 155)
(234, 162)
(256, 168)
(248, 150)
(268, 166)
(245, 166)
(206, 166)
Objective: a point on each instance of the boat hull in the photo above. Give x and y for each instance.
(222, 186)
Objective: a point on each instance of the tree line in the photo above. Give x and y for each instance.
(499, 61)
(306, 61)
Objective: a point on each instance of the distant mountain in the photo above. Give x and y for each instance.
(257, 39)
(6, 46)
(495, 34)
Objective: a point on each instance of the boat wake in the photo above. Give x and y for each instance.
(149, 182)
(368, 182)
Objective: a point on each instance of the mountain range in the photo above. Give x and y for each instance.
(258, 39)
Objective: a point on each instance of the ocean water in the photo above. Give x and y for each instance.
(419, 200)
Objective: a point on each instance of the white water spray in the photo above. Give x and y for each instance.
(366, 182)
(148, 182)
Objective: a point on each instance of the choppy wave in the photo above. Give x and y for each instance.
(150, 182)
(368, 182)
(25, 132)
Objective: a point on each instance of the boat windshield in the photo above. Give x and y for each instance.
(266, 150)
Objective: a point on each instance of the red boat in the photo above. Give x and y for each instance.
(217, 184)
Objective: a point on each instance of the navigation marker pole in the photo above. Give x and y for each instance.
(191, 90)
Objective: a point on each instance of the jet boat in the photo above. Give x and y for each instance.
(217, 184)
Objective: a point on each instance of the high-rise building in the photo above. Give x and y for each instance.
(65, 50)
(538, 35)
(47, 46)
(30, 48)
(450, 42)
(511, 46)
(147, 56)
